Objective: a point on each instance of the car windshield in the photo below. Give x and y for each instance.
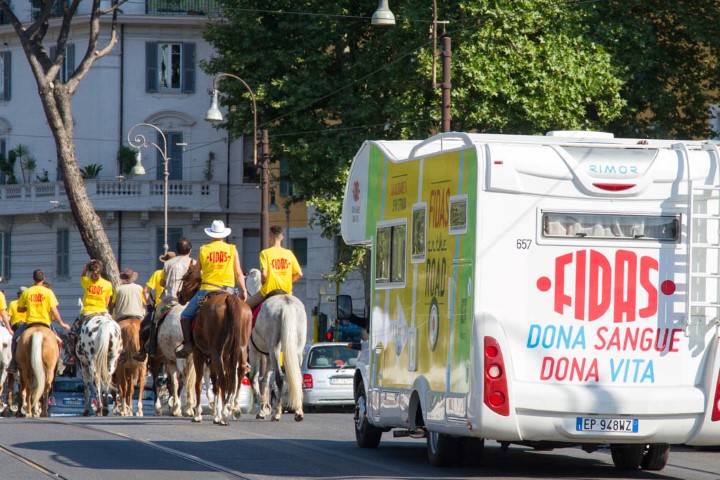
(332, 356)
(69, 387)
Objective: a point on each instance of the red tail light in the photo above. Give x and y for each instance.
(495, 384)
(716, 402)
(245, 381)
(51, 400)
(94, 402)
(307, 381)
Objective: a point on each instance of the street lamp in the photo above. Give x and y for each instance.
(215, 115)
(138, 142)
(384, 17)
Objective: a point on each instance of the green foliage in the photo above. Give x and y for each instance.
(209, 167)
(90, 171)
(667, 55)
(326, 82)
(126, 159)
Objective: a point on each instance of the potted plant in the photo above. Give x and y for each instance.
(90, 171)
(126, 159)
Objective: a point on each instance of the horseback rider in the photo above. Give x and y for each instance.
(97, 293)
(128, 301)
(218, 267)
(170, 278)
(4, 313)
(39, 302)
(16, 318)
(279, 269)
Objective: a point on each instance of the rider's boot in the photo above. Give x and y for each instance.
(12, 367)
(187, 346)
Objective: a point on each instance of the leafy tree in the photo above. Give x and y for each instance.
(56, 100)
(326, 80)
(667, 55)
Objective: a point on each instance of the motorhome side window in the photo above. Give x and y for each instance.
(390, 254)
(664, 228)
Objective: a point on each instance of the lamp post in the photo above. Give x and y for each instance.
(384, 17)
(215, 115)
(138, 142)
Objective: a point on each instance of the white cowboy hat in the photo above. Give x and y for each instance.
(217, 230)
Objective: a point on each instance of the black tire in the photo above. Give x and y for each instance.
(443, 450)
(627, 457)
(471, 451)
(656, 457)
(366, 435)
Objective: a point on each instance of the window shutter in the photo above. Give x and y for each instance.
(6, 75)
(188, 53)
(69, 59)
(151, 67)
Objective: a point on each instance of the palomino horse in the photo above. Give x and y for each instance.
(179, 370)
(37, 355)
(98, 349)
(5, 357)
(281, 326)
(130, 372)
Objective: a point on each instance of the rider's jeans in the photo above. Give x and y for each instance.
(194, 303)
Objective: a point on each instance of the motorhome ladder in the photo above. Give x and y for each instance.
(703, 244)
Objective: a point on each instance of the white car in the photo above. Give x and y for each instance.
(328, 369)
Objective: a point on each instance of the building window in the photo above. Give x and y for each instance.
(170, 67)
(5, 75)
(251, 249)
(175, 152)
(68, 63)
(5, 255)
(390, 254)
(286, 187)
(62, 247)
(3, 157)
(299, 246)
(174, 234)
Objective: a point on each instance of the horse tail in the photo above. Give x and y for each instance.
(233, 342)
(101, 357)
(291, 356)
(36, 365)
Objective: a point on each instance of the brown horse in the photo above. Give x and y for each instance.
(37, 355)
(222, 334)
(130, 372)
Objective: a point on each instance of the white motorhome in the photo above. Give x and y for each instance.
(549, 291)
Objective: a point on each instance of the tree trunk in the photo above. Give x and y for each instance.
(56, 102)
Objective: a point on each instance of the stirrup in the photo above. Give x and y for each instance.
(184, 350)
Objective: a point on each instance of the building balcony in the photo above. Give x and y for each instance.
(113, 195)
(181, 7)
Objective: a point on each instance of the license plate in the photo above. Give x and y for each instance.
(598, 424)
(341, 381)
(74, 401)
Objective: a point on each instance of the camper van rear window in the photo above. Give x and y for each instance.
(390, 254)
(665, 228)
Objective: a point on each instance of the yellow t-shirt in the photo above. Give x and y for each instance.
(154, 284)
(38, 300)
(95, 295)
(3, 302)
(217, 262)
(15, 316)
(280, 265)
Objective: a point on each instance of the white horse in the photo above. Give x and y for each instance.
(5, 357)
(178, 369)
(281, 326)
(98, 349)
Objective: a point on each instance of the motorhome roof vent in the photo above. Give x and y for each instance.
(579, 134)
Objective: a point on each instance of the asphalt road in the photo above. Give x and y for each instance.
(322, 446)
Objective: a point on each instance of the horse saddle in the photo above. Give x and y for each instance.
(271, 293)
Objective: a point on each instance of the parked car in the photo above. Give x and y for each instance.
(246, 397)
(327, 371)
(68, 397)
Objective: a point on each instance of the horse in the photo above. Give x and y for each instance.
(98, 349)
(222, 333)
(37, 355)
(5, 357)
(281, 326)
(179, 370)
(130, 372)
